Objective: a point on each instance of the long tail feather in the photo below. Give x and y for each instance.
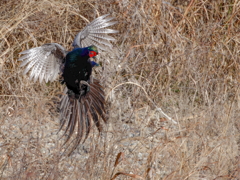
(78, 115)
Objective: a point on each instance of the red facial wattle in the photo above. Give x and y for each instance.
(92, 53)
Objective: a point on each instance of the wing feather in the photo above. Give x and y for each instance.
(95, 34)
(43, 62)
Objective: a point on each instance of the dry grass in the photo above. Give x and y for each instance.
(180, 56)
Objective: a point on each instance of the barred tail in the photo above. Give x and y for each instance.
(79, 115)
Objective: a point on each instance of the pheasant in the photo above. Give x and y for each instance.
(82, 103)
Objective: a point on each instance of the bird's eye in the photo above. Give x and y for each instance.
(92, 53)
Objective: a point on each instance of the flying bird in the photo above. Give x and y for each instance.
(83, 101)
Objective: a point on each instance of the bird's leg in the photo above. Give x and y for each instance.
(70, 93)
(90, 79)
(85, 84)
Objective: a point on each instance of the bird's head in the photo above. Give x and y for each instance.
(93, 51)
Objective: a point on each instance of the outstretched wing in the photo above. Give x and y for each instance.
(96, 34)
(43, 62)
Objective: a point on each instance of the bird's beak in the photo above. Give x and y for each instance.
(97, 64)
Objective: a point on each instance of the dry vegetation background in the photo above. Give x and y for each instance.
(180, 56)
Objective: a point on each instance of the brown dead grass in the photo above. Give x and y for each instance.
(180, 56)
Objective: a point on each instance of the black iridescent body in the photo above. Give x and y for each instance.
(78, 67)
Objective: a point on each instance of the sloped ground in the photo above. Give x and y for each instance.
(180, 56)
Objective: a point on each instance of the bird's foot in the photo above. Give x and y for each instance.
(70, 93)
(84, 87)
